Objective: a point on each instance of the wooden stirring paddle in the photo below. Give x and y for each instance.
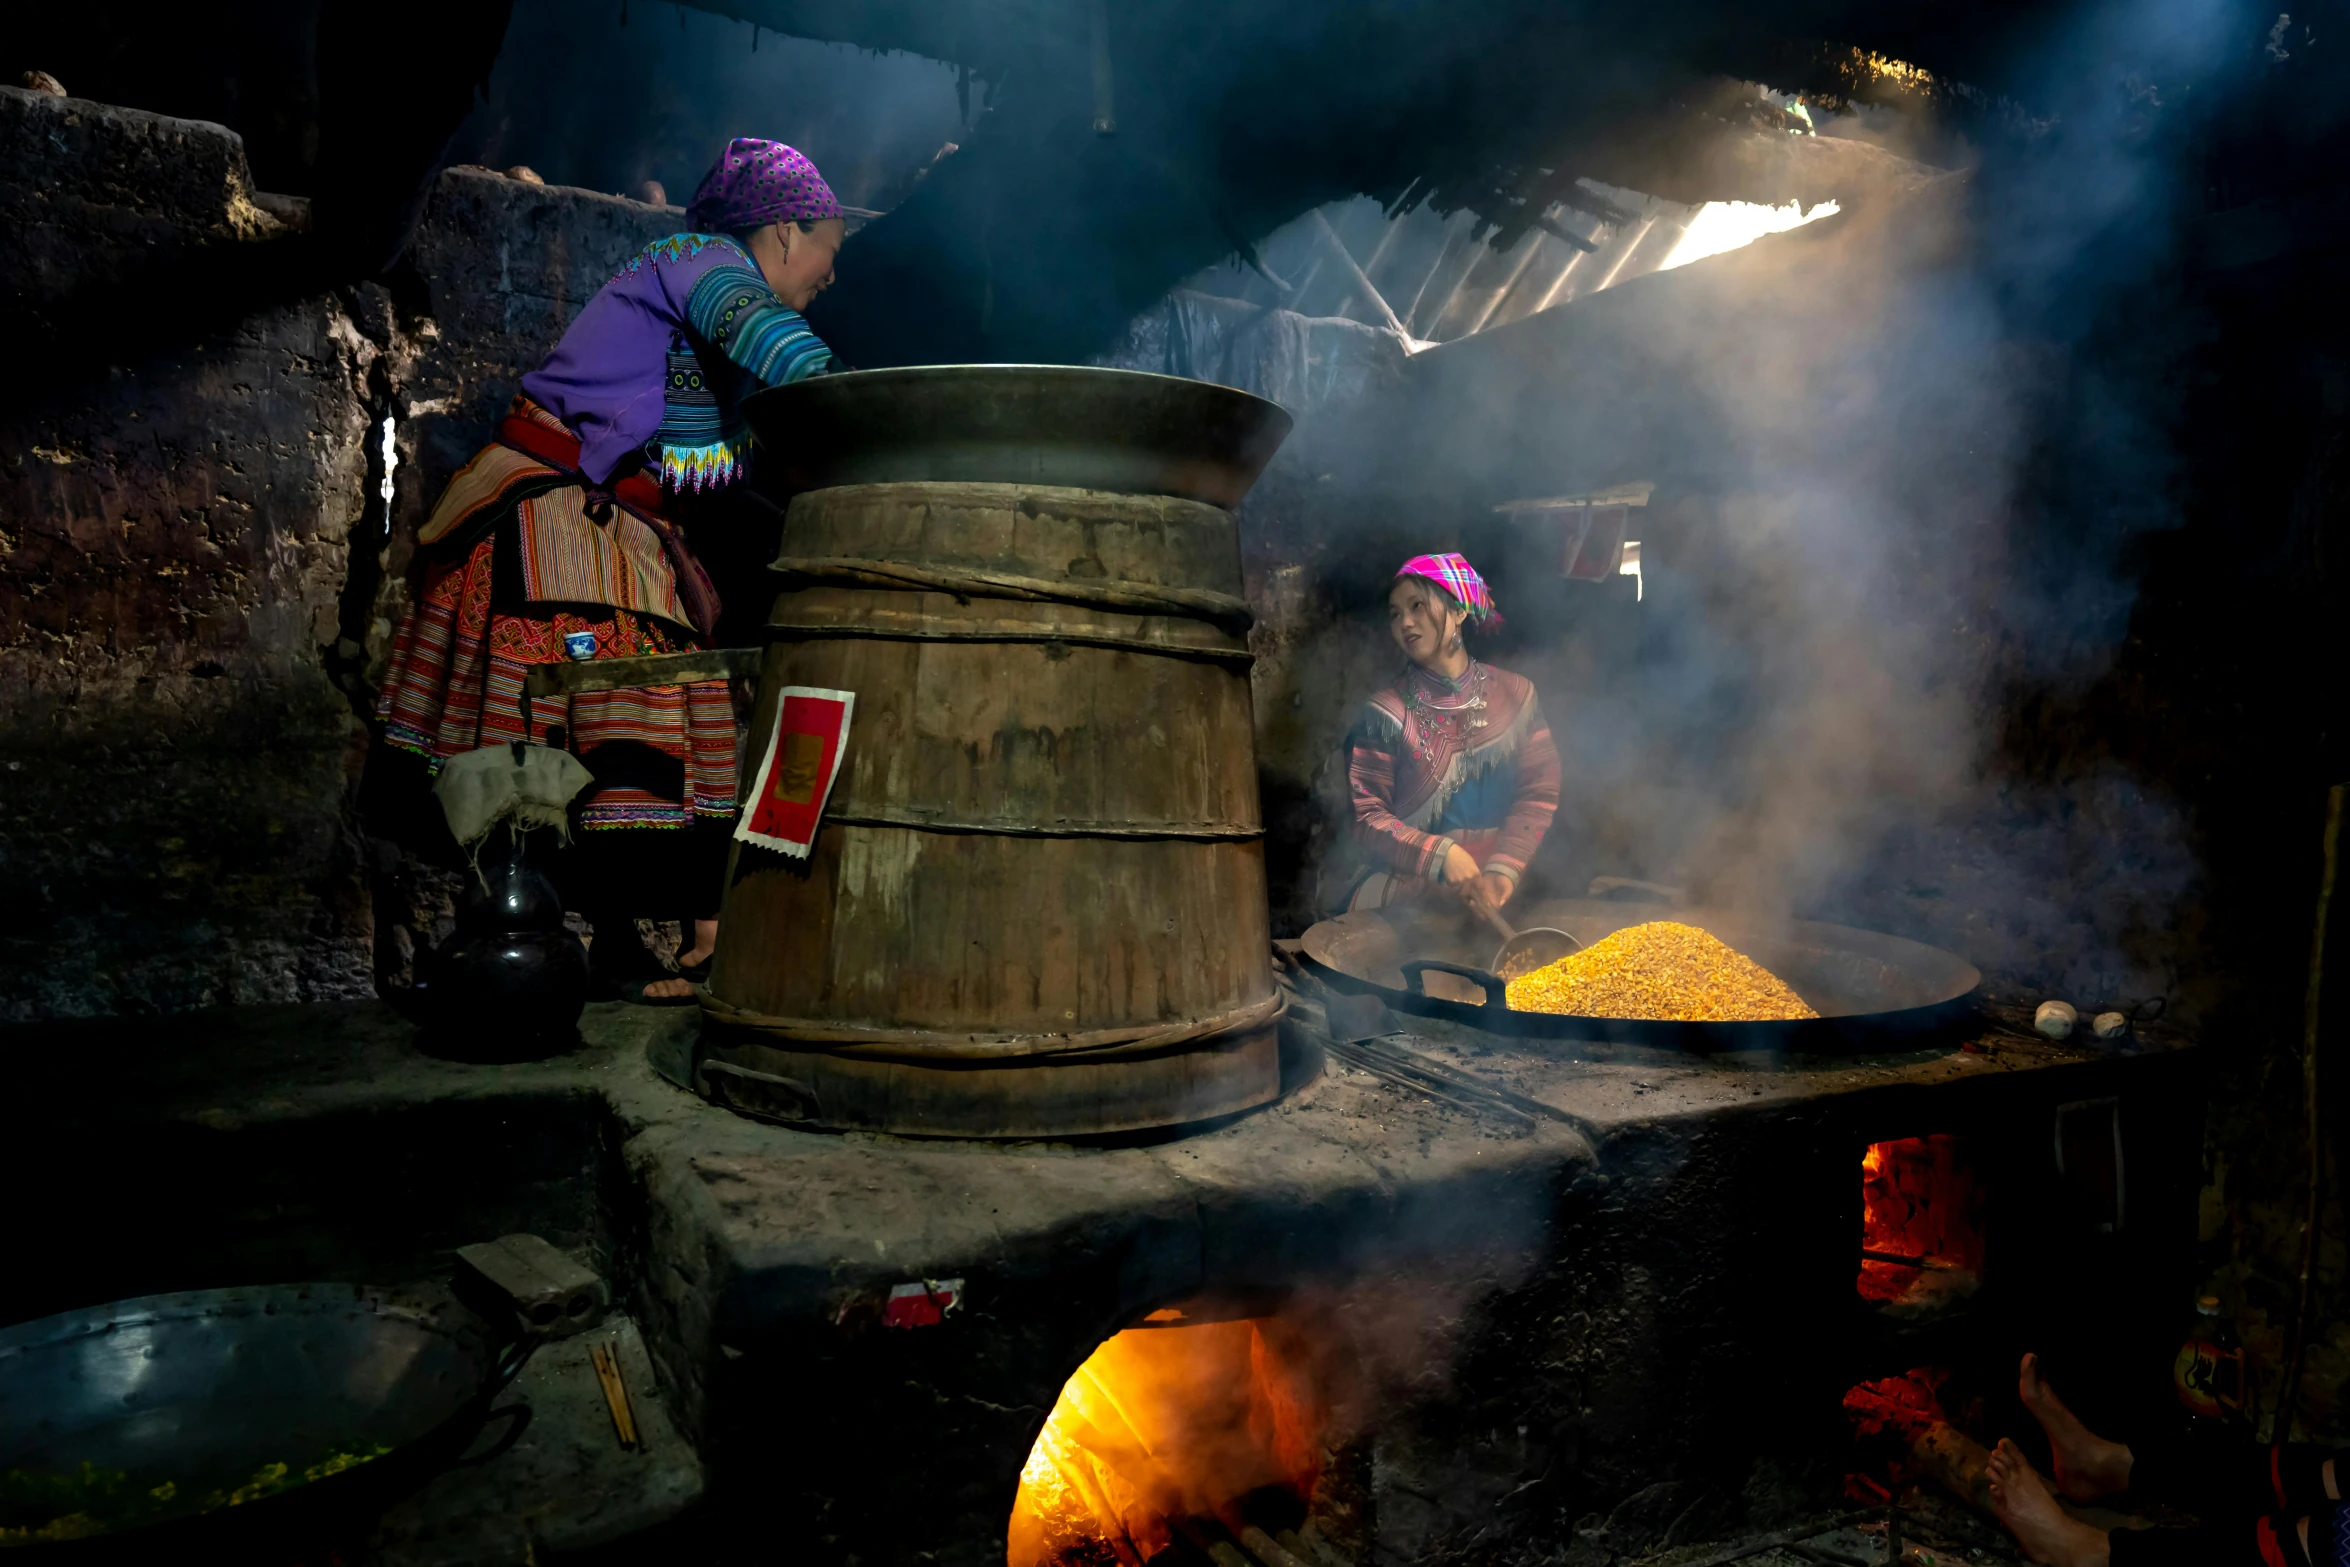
(1521, 951)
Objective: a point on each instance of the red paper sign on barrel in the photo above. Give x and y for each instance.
(795, 777)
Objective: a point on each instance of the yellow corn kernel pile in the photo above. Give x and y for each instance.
(1662, 971)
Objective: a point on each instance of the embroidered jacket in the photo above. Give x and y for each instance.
(1422, 771)
(660, 360)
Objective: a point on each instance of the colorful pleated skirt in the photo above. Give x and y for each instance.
(462, 652)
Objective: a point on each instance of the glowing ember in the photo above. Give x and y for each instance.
(1899, 1427)
(1903, 1407)
(1163, 1423)
(1921, 1222)
(1728, 225)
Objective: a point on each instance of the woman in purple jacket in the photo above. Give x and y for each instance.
(553, 543)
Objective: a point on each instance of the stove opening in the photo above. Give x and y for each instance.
(1203, 1431)
(1921, 1244)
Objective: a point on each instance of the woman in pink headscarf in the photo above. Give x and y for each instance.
(1453, 772)
(556, 542)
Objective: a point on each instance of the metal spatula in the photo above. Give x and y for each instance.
(1522, 951)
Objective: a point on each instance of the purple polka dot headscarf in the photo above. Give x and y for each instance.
(757, 182)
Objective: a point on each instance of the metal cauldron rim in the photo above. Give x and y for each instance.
(1165, 435)
(992, 367)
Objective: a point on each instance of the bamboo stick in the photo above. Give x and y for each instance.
(606, 1360)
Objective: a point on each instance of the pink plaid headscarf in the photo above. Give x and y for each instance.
(758, 182)
(1456, 576)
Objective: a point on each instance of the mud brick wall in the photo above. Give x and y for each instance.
(178, 486)
(199, 570)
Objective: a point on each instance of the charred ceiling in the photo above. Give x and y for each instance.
(1043, 234)
(1116, 149)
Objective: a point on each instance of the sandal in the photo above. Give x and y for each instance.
(696, 973)
(632, 991)
(628, 967)
(634, 994)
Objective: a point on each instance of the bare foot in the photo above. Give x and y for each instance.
(2048, 1534)
(2087, 1465)
(662, 988)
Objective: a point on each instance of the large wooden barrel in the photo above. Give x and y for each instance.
(1036, 904)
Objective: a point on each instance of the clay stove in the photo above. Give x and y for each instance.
(1813, 1262)
(1537, 1328)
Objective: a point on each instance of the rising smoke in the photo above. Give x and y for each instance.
(1903, 461)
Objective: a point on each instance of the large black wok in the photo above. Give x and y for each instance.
(199, 1396)
(1873, 992)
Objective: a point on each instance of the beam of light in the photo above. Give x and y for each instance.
(1728, 225)
(391, 456)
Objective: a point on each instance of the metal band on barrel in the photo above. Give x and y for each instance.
(1132, 598)
(811, 631)
(930, 1046)
(1204, 832)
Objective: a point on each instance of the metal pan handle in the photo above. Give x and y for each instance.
(511, 1360)
(1497, 990)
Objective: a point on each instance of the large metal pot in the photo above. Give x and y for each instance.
(194, 1400)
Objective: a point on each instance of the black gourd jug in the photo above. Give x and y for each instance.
(511, 981)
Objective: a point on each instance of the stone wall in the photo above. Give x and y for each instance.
(177, 493)
(199, 571)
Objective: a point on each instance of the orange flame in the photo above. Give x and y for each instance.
(1920, 1200)
(1163, 1423)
